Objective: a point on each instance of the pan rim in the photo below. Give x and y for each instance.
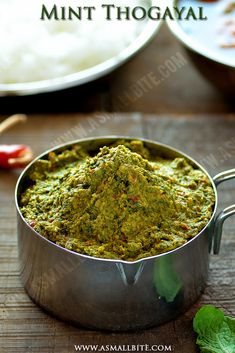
(115, 138)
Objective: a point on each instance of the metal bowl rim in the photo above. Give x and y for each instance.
(189, 41)
(91, 74)
(114, 137)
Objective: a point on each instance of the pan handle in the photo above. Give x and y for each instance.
(227, 212)
(224, 176)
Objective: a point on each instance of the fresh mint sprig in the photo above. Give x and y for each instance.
(216, 332)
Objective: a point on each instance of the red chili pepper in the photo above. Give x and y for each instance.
(14, 156)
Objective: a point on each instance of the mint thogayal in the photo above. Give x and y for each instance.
(121, 203)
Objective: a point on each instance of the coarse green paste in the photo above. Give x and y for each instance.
(122, 203)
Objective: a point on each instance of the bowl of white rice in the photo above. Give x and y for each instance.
(42, 55)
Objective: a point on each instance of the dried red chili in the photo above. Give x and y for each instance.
(14, 156)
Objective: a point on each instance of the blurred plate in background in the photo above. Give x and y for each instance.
(85, 76)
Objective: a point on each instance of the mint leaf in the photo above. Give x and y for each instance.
(166, 280)
(216, 332)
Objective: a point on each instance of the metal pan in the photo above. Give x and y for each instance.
(112, 294)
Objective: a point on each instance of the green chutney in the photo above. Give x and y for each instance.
(121, 203)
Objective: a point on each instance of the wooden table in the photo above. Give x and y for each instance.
(24, 327)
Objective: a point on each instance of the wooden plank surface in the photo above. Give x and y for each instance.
(24, 327)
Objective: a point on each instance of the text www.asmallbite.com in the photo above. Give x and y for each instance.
(123, 348)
